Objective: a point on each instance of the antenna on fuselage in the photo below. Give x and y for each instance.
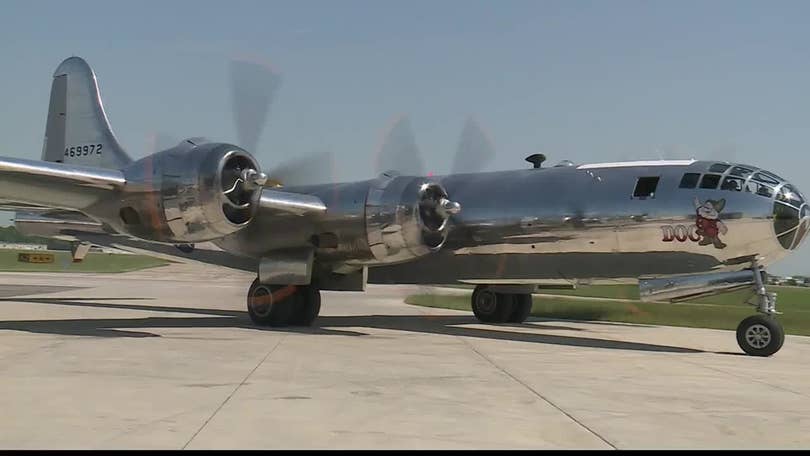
(536, 160)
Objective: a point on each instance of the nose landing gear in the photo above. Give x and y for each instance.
(761, 335)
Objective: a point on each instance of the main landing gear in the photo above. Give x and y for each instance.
(282, 305)
(490, 306)
(761, 335)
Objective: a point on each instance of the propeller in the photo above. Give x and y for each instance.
(253, 89)
(475, 150)
(161, 141)
(254, 86)
(399, 151)
(317, 168)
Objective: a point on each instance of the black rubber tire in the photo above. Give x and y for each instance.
(487, 311)
(521, 308)
(185, 248)
(279, 311)
(483, 311)
(762, 326)
(308, 306)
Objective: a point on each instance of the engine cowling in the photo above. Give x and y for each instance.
(193, 192)
(406, 217)
(387, 220)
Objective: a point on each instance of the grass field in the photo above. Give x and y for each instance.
(723, 311)
(94, 262)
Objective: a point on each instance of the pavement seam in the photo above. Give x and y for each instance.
(761, 382)
(244, 380)
(537, 393)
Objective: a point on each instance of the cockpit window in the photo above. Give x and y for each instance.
(719, 168)
(689, 180)
(710, 181)
(789, 195)
(759, 189)
(741, 171)
(765, 177)
(734, 184)
(772, 175)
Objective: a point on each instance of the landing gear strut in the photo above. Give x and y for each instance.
(492, 307)
(761, 335)
(282, 305)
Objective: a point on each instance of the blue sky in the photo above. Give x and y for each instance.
(577, 80)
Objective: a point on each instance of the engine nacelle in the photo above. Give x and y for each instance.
(193, 192)
(387, 220)
(406, 218)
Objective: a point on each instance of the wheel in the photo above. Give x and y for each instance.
(521, 308)
(491, 307)
(307, 307)
(270, 305)
(185, 248)
(760, 335)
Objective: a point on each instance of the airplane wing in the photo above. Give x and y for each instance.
(59, 189)
(37, 184)
(55, 185)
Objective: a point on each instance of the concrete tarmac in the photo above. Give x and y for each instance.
(168, 358)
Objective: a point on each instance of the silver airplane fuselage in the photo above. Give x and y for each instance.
(572, 222)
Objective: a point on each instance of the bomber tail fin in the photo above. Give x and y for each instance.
(77, 131)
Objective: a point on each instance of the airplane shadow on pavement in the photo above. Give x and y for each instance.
(324, 325)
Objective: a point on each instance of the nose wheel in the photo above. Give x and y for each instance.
(761, 335)
(283, 305)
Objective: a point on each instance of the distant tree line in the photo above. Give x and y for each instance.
(11, 235)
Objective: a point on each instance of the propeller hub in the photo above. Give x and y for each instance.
(447, 208)
(253, 179)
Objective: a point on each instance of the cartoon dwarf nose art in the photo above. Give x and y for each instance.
(708, 223)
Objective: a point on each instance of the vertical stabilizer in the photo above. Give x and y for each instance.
(77, 131)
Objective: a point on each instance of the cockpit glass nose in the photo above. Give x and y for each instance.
(801, 233)
(785, 221)
(791, 217)
(791, 212)
(789, 195)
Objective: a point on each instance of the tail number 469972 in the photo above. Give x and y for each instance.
(87, 149)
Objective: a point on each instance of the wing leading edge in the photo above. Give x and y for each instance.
(30, 184)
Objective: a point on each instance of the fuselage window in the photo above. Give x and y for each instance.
(734, 184)
(645, 187)
(710, 181)
(719, 168)
(689, 180)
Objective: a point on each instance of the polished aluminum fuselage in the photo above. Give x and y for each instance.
(570, 223)
(555, 223)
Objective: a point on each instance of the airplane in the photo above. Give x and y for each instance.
(680, 228)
